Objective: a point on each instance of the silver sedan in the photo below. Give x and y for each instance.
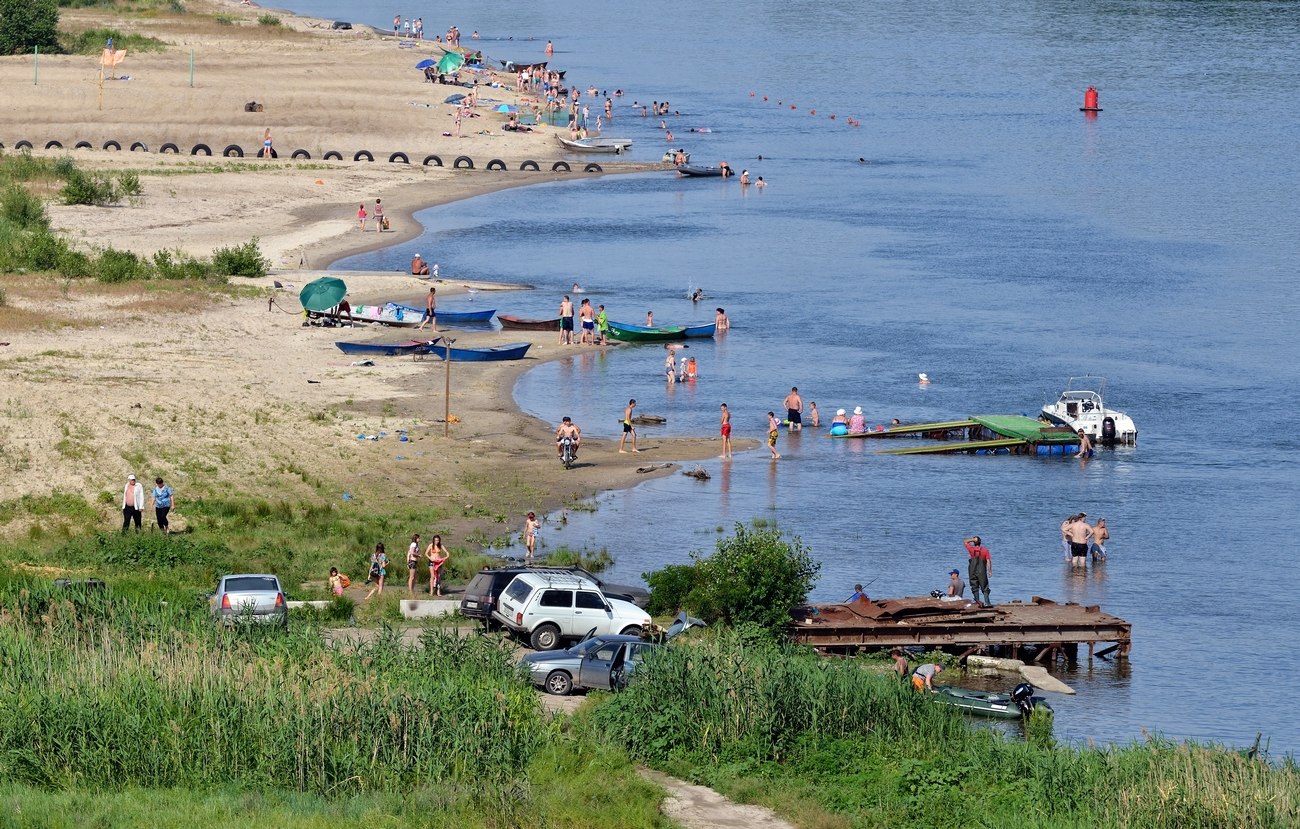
(249, 597)
(601, 662)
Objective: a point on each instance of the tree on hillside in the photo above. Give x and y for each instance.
(756, 576)
(25, 24)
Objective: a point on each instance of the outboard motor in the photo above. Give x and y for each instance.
(1023, 696)
(1108, 432)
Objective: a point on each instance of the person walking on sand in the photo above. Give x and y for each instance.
(335, 581)
(531, 526)
(628, 428)
(378, 570)
(566, 321)
(412, 564)
(978, 569)
(267, 151)
(361, 217)
(163, 498)
(379, 216)
(794, 409)
(726, 432)
(437, 556)
(132, 503)
(773, 430)
(397, 25)
(430, 310)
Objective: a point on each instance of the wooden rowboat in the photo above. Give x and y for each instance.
(521, 324)
(695, 331)
(595, 145)
(641, 334)
(386, 349)
(510, 351)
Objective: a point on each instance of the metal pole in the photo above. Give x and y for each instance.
(191, 69)
(36, 63)
(446, 396)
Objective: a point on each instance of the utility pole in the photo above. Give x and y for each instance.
(446, 397)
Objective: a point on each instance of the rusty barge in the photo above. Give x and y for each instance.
(1043, 626)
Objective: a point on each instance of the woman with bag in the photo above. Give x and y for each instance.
(378, 569)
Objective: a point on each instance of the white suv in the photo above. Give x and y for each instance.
(548, 608)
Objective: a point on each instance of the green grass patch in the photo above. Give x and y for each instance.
(94, 41)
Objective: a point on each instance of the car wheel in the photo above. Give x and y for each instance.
(545, 638)
(559, 683)
(631, 630)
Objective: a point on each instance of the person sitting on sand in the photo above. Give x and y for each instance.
(419, 267)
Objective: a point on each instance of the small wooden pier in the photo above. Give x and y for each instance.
(962, 626)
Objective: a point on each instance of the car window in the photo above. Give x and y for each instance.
(637, 651)
(252, 584)
(556, 598)
(590, 600)
(587, 646)
(480, 585)
(518, 591)
(606, 653)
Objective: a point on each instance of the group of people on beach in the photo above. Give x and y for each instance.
(434, 555)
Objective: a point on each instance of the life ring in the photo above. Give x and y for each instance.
(169, 147)
(233, 151)
(432, 159)
(496, 164)
(53, 145)
(468, 165)
(560, 166)
(333, 155)
(398, 157)
(110, 144)
(529, 165)
(592, 168)
(140, 146)
(201, 149)
(360, 153)
(84, 145)
(23, 145)
(301, 154)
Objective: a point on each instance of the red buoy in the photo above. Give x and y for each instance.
(1090, 100)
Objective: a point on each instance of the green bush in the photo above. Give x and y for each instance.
(28, 24)
(224, 19)
(754, 577)
(92, 188)
(240, 260)
(43, 251)
(94, 41)
(147, 551)
(73, 264)
(22, 209)
(268, 20)
(114, 266)
(176, 264)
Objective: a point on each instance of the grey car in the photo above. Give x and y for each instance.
(601, 662)
(249, 597)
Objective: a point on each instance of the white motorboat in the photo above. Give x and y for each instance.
(1081, 406)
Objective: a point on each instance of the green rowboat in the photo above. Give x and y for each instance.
(641, 334)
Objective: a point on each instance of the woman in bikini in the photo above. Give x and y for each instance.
(531, 526)
(437, 556)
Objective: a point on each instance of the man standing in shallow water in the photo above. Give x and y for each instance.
(628, 428)
(773, 430)
(794, 409)
(726, 432)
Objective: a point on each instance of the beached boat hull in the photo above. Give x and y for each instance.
(701, 331)
(386, 349)
(510, 351)
(986, 704)
(388, 315)
(521, 324)
(452, 316)
(595, 145)
(641, 334)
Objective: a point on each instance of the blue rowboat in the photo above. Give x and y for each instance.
(452, 316)
(694, 331)
(643, 334)
(387, 349)
(510, 351)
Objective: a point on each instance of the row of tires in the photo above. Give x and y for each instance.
(461, 162)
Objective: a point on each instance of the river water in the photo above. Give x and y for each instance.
(993, 237)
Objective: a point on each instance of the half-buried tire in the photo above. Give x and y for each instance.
(333, 155)
(110, 144)
(363, 155)
(592, 168)
(496, 164)
(433, 159)
(23, 145)
(169, 147)
(560, 166)
(396, 158)
(529, 165)
(201, 149)
(297, 154)
(463, 162)
(84, 145)
(53, 145)
(233, 151)
(139, 146)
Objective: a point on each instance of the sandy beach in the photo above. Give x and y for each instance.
(230, 390)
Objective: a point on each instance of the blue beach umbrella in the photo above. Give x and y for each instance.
(426, 63)
(505, 108)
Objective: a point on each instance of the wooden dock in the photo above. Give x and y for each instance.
(961, 626)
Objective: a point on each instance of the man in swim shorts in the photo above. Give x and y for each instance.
(430, 307)
(1079, 532)
(566, 321)
(588, 317)
(726, 431)
(773, 429)
(419, 267)
(628, 428)
(794, 409)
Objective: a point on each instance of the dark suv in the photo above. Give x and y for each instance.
(481, 593)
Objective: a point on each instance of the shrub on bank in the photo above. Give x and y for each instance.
(93, 41)
(240, 260)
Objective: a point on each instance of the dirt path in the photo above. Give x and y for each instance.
(699, 807)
